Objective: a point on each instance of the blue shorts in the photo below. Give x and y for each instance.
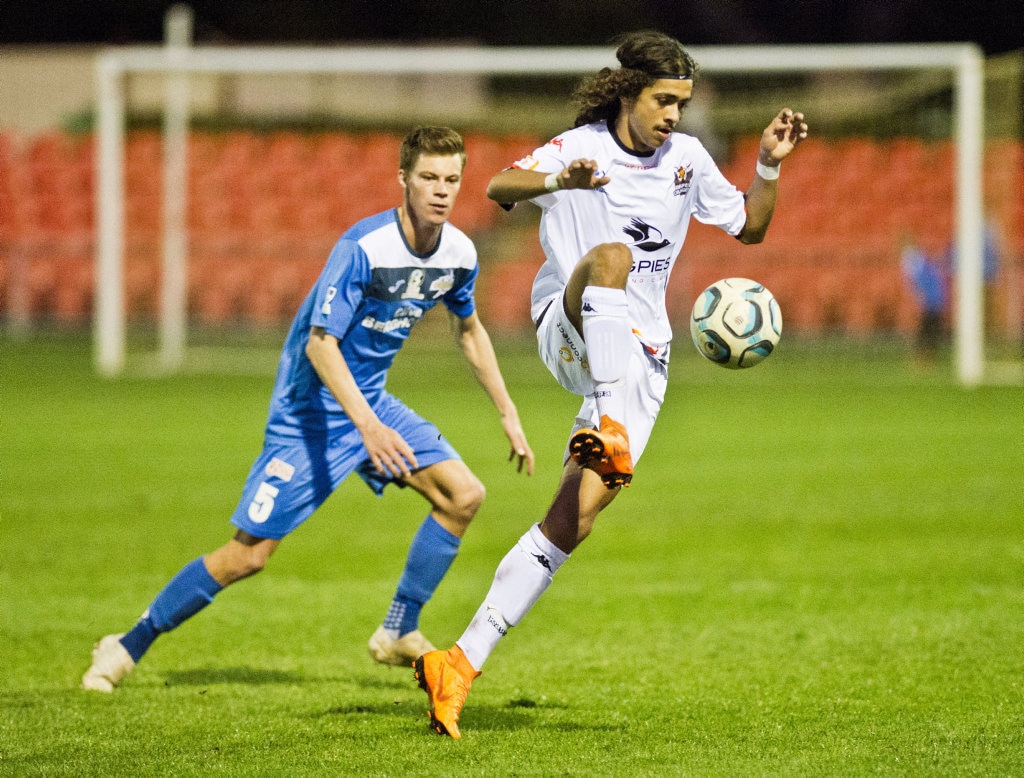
(292, 477)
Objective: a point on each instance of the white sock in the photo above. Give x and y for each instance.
(608, 336)
(611, 400)
(521, 578)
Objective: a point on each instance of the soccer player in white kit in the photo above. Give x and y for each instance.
(331, 414)
(616, 194)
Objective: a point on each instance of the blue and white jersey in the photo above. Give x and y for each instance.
(370, 294)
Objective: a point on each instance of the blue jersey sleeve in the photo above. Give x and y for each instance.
(340, 288)
(459, 299)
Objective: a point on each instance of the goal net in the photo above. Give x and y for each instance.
(222, 213)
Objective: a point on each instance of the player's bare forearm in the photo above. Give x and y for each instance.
(514, 185)
(325, 356)
(476, 345)
(760, 204)
(778, 141)
(385, 447)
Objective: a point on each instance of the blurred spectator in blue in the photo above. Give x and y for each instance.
(991, 252)
(929, 277)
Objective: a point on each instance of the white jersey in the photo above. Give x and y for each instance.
(647, 205)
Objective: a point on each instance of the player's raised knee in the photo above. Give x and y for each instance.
(611, 256)
(609, 264)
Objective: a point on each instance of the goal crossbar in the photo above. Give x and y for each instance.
(178, 59)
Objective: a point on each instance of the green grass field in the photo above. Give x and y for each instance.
(818, 571)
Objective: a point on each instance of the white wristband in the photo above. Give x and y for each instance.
(552, 182)
(768, 173)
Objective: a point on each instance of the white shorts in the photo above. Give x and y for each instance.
(564, 353)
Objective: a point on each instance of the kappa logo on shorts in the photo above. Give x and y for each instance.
(278, 468)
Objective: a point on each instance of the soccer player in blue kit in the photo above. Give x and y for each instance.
(331, 415)
(616, 194)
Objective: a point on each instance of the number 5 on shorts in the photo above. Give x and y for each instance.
(263, 503)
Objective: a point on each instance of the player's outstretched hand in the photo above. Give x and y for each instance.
(519, 450)
(782, 136)
(582, 174)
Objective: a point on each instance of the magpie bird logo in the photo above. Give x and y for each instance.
(645, 237)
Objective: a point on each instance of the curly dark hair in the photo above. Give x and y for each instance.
(643, 56)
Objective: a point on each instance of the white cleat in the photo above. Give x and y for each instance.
(398, 652)
(110, 663)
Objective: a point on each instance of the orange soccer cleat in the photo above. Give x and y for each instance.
(446, 677)
(605, 451)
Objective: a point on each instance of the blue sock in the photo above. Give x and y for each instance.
(191, 590)
(431, 553)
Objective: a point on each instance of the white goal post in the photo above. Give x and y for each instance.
(178, 59)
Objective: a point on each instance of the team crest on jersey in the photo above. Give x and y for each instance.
(683, 179)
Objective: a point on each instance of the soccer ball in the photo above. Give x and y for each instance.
(736, 323)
